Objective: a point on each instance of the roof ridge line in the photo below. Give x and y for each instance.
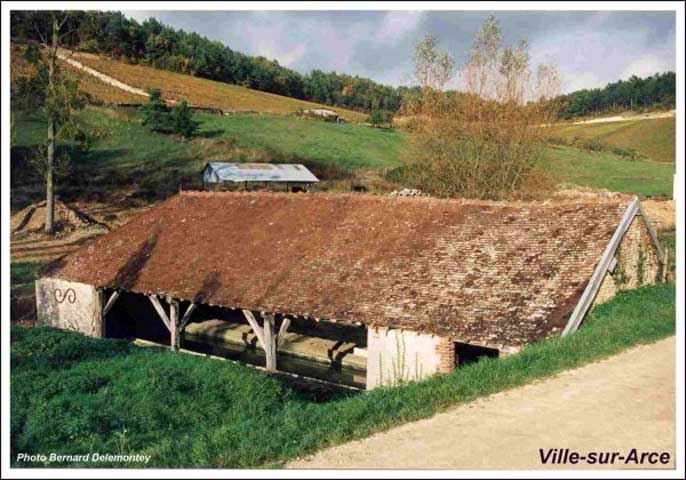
(388, 198)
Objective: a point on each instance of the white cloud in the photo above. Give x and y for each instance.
(590, 56)
(646, 65)
(396, 24)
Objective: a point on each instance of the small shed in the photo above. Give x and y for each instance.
(291, 175)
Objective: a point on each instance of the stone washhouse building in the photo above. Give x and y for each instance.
(350, 288)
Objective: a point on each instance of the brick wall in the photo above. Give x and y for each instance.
(637, 263)
(445, 349)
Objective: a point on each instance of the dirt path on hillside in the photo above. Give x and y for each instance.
(626, 118)
(66, 56)
(624, 402)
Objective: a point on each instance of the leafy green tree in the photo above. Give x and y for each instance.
(181, 120)
(156, 113)
(159, 117)
(50, 92)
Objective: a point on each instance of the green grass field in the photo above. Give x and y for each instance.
(653, 139)
(123, 154)
(609, 171)
(348, 145)
(75, 394)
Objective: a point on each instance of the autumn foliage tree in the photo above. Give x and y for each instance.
(49, 91)
(484, 140)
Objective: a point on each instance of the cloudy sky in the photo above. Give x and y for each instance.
(590, 48)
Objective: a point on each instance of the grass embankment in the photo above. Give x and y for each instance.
(652, 139)
(74, 394)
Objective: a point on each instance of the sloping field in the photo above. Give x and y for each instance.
(97, 90)
(203, 92)
(653, 138)
(608, 171)
(128, 154)
(348, 145)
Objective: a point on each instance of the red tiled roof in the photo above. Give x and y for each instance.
(481, 272)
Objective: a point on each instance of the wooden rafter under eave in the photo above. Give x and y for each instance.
(606, 263)
(110, 302)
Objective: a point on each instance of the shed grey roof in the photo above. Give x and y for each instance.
(216, 172)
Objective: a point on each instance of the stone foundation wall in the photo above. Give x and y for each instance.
(69, 305)
(395, 357)
(637, 263)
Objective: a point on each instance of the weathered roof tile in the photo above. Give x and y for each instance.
(484, 271)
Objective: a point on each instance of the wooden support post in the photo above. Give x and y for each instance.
(175, 341)
(160, 311)
(255, 326)
(285, 323)
(266, 336)
(98, 323)
(187, 316)
(270, 343)
(110, 302)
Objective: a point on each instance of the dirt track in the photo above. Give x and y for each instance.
(66, 56)
(624, 402)
(627, 117)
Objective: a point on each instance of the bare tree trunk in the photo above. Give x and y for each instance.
(49, 176)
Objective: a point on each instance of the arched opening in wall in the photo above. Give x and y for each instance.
(466, 353)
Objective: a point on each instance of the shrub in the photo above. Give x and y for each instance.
(89, 46)
(158, 117)
(182, 120)
(155, 113)
(381, 117)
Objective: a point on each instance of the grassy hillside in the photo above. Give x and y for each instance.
(348, 145)
(199, 91)
(75, 394)
(124, 154)
(609, 171)
(174, 86)
(98, 91)
(654, 139)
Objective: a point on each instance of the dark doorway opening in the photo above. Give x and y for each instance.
(466, 353)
